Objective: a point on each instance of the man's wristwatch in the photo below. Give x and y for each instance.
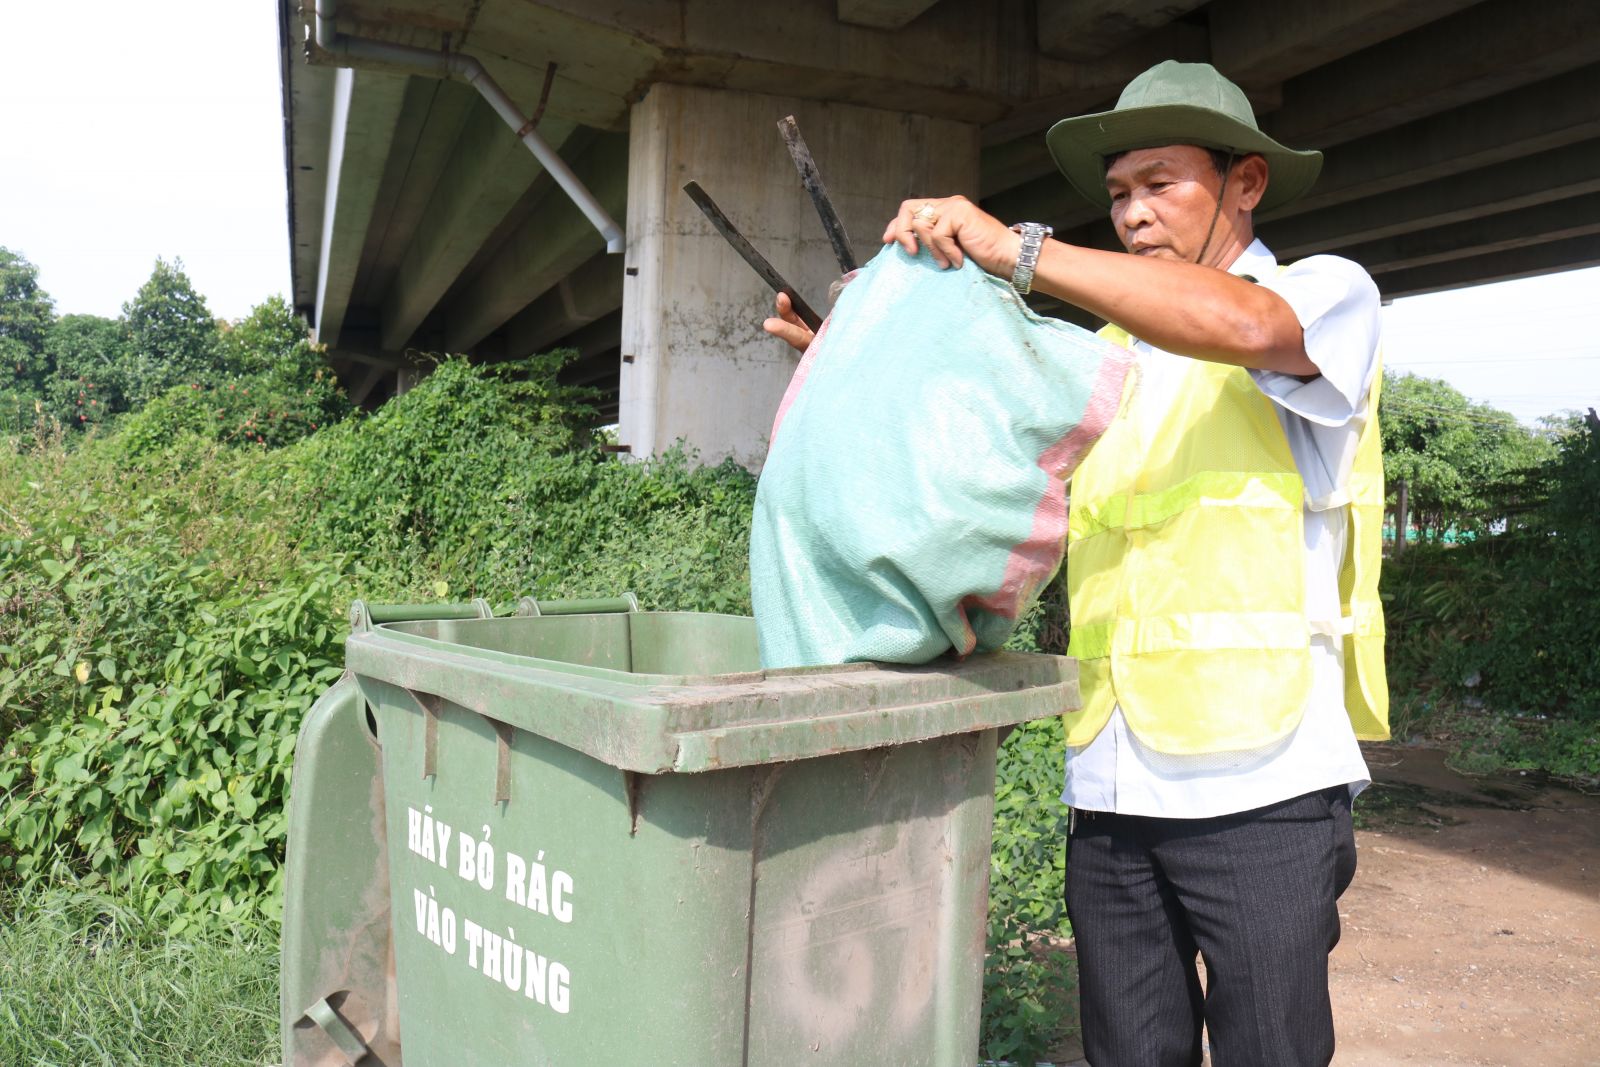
(1033, 235)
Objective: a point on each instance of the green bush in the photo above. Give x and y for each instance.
(1029, 983)
(489, 480)
(154, 664)
(179, 412)
(1492, 642)
(88, 385)
(260, 410)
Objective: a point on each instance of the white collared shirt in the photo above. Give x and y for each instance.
(1337, 304)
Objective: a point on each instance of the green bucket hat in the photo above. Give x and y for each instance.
(1177, 103)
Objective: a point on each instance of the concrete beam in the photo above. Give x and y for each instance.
(1561, 111)
(1485, 50)
(532, 201)
(361, 357)
(402, 147)
(1089, 29)
(1526, 262)
(970, 62)
(419, 162)
(1490, 49)
(882, 14)
(1008, 164)
(1049, 200)
(1259, 43)
(600, 336)
(375, 373)
(1518, 183)
(307, 114)
(603, 53)
(591, 292)
(366, 107)
(1083, 87)
(488, 172)
(1476, 54)
(1539, 224)
(555, 240)
(599, 370)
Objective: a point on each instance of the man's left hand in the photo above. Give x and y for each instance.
(952, 228)
(787, 327)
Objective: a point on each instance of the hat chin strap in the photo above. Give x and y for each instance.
(1227, 172)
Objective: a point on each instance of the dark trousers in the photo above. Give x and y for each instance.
(1253, 893)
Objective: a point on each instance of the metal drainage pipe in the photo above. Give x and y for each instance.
(447, 64)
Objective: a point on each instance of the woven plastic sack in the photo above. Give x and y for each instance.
(913, 500)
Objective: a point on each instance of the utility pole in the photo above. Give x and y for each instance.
(1402, 517)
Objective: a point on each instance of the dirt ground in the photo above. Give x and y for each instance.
(1472, 930)
(1471, 934)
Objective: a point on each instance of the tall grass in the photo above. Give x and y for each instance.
(87, 982)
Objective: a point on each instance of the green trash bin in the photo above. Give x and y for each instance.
(590, 835)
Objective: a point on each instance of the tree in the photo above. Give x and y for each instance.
(268, 358)
(172, 337)
(266, 384)
(26, 312)
(271, 339)
(1450, 463)
(90, 382)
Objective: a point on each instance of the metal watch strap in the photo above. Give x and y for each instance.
(1033, 235)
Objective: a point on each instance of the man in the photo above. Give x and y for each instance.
(1222, 568)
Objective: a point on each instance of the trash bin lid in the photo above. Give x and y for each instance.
(664, 692)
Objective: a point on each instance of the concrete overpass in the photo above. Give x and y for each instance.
(1462, 141)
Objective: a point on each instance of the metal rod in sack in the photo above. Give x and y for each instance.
(757, 261)
(811, 178)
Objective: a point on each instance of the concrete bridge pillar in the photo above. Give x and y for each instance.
(696, 364)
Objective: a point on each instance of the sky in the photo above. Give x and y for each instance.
(1529, 346)
(134, 131)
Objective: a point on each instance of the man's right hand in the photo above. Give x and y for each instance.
(786, 326)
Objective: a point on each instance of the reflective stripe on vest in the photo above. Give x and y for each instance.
(1185, 573)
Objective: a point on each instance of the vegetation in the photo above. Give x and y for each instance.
(26, 313)
(1491, 642)
(257, 380)
(1452, 465)
(87, 981)
(1030, 984)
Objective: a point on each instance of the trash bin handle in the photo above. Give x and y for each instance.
(364, 616)
(343, 1036)
(627, 602)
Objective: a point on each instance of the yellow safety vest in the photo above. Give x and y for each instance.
(1185, 573)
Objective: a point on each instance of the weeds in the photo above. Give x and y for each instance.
(86, 981)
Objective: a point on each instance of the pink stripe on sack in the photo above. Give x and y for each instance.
(798, 380)
(1036, 558)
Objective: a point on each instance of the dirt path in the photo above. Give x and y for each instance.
(1472, 931)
